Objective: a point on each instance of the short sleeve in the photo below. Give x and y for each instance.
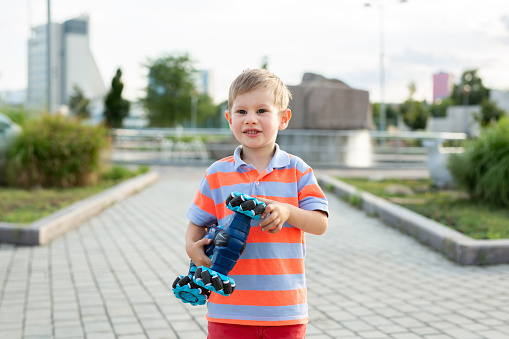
(202, 211)
(311, 196)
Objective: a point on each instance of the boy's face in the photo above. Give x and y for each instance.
(255, 120)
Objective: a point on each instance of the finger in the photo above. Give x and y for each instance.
(277, 228)
(265, 200)
(204, 242)
(271, 225)
(267, 220)
(268, 210)
(205, 261)
(202, 260)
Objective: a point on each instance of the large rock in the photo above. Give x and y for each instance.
(321, 103)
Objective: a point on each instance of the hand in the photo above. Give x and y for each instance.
(279, 214)
(196, 251)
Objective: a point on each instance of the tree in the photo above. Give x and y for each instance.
(390, 112)
(415, 113)
(116, 108)
(265, 62)
(490, 113)
(79, 104)
(470, 90)
(171, 91)
(439, 107)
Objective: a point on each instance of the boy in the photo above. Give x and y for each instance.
(270, 296)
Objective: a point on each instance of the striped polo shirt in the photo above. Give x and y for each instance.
(270, 280)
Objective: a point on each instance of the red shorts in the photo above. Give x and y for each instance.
(230, 331)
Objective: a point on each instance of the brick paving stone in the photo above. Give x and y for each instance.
(461, 333)
(405, 336)
(111, 278)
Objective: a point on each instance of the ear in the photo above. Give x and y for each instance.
(228, 117)
(285, 119)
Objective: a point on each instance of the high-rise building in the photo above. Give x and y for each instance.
(441, 86)
(72, 63)
(201, 80)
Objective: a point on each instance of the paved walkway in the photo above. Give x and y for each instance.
(111, 277)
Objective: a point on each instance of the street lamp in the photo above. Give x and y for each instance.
(48, 56)
(383, 115)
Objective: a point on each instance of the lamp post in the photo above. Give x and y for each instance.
(383, 114)
(48, 56)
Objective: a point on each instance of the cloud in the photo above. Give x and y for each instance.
(505, 21)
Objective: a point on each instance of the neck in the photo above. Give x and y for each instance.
(259, 158)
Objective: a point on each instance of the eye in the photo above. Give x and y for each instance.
(261, 111)
(241, 111)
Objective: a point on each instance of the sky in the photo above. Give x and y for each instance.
(338, 39)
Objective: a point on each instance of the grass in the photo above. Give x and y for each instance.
(449, 207)
(23, 206)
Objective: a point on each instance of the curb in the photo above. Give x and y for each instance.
(46, 229)
(454, 245)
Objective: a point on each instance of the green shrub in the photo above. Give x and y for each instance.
(117, 172)
(56, 151)
(483, 169)
(18, 114)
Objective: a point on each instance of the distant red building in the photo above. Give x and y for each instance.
(441, 86)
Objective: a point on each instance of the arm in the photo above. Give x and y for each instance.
(195, 244)
(314, 222)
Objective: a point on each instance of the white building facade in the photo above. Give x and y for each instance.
(72, 63)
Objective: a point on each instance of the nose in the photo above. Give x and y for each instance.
(251, 118)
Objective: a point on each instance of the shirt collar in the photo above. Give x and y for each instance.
(280, 159)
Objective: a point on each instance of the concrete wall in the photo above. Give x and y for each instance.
(459, 119)
(501, 98)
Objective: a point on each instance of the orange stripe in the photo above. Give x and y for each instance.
(258, 322)
(221, 179)
(286, 175)
(222, 211)
(311, 191)
(286, 235)
(262, 298)
(205, 203)
(268, 266)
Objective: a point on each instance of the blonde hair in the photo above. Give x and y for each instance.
(256, 78)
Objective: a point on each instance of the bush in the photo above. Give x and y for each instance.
(55, 151)
(18, 114)
(117, 172)
(483, 169)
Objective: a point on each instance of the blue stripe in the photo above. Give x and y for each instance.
(273, 251)
(199, 217)
(314, 203)
(205, 188)
(260, 313)
(282, 282)
(299, 164)
(221, 166)
(305, 180)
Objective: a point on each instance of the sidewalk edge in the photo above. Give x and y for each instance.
(454, 245)
(46, 229)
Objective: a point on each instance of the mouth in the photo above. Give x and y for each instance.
(252, 132)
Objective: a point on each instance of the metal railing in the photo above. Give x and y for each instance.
(317, 147)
